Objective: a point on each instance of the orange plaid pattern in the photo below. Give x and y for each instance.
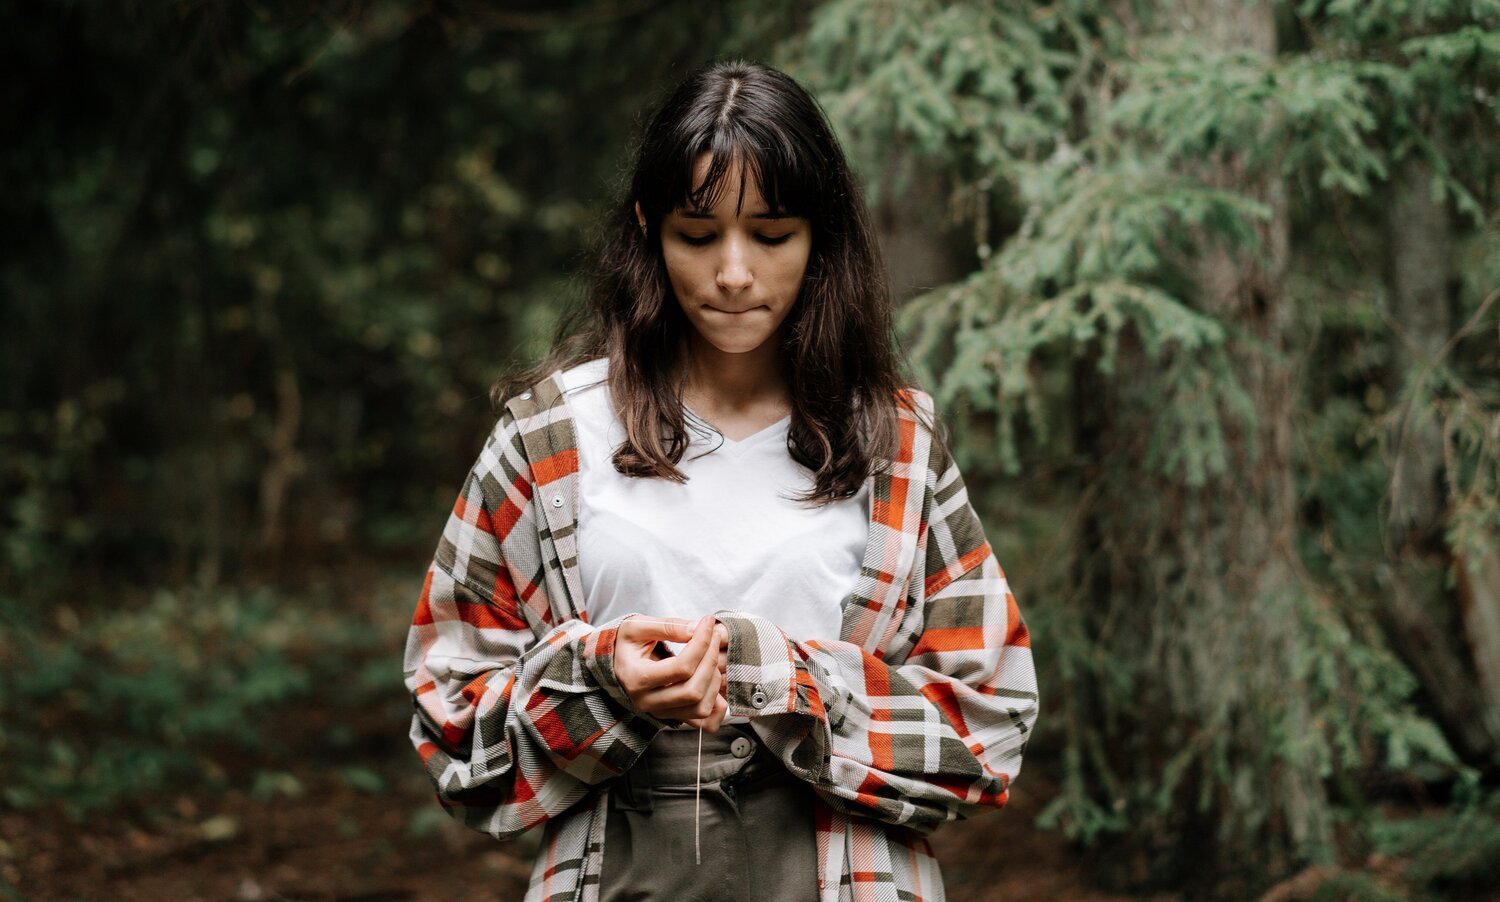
(917, 714)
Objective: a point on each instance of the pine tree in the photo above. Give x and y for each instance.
(1150, 187)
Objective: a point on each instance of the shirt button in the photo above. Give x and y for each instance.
(525, 396)
(741, 747)
(557, 501)
(758, 698)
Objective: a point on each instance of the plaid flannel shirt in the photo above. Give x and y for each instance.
(917, 714)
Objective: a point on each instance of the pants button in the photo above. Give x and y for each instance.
(741, 747)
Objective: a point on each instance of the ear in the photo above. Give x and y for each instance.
(640, 217)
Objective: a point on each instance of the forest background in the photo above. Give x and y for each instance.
(1206, 292)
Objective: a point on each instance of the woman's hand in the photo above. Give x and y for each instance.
(687, 686)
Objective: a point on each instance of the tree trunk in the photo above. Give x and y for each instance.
(1479, 603)
(1423, 619)
(1196, 589)
(917, 255)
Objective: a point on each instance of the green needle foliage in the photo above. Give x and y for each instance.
(1104, 155)
(1219, 358)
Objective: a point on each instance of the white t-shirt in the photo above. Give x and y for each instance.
(728, 538)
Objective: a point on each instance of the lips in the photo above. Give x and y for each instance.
(736, 312)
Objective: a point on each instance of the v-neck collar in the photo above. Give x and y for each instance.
(738, 447)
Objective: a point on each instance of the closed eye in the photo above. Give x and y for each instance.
(701, 240)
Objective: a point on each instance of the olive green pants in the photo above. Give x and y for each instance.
(754, 831)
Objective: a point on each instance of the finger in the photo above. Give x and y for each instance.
(694, 690)
(642, 629)
(680, 667)
(711, 694)
(698, 644)
(716, 719)
(655, 674)
(696, 710)
(690, 714)
(639, 673)
(712, 722)
(721, 635)
(705, 681)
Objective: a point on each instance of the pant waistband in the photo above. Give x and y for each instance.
(672, 757)
(672, 762)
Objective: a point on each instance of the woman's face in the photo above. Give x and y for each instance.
(736, 277)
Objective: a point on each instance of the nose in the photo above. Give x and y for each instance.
(734, 267)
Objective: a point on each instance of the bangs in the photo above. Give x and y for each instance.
(787, 174)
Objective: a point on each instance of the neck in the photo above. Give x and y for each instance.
(723, 381)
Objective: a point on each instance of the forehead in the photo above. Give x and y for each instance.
(736, 191)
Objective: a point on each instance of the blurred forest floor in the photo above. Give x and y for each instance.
(338, 842)
(333, 804)
(298, 781)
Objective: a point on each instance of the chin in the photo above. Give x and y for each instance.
(741, 346)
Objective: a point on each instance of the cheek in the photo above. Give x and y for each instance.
(790, 270)
(683, 270)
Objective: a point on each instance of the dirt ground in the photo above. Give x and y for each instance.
(390, 841)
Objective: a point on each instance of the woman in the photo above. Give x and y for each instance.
(713, 606)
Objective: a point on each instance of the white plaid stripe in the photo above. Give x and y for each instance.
(919, 712)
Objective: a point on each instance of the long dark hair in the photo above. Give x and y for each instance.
(838, 350)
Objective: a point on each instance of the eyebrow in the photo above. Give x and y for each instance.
(703, 214)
